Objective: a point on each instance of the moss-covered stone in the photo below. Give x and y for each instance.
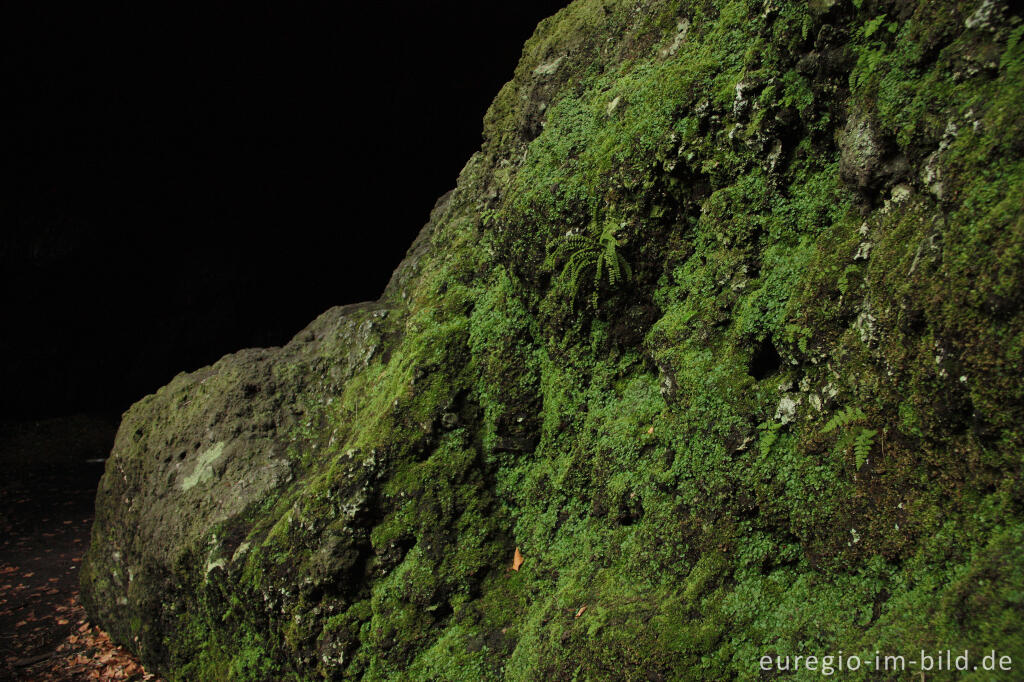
(794, 428)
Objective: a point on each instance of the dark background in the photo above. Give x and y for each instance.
(184, 182)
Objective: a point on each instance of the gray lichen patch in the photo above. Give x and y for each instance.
(203, 470)
(548, 68)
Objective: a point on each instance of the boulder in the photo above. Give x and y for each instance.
(530, 461)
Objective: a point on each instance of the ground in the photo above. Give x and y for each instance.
(46, 509)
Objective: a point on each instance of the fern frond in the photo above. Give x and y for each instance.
(611, 258)
(576, 242)
(844, 417)
(626, 267)
(577, 264)
(565, 247)
(862, 445)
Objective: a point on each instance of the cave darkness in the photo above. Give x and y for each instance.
(187, 181)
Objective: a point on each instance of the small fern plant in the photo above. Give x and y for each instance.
(588, 261)
(859, 436)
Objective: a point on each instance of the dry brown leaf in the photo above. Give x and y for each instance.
(517, 560)
(650, 430)
(582, 609)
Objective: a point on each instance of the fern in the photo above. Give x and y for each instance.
(870, 27)
(769, 434)
(862, 438)
(599, 258)
(862, 445)
(488, 216)
(843, 418)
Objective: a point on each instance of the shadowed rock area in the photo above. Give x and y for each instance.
(714, 352)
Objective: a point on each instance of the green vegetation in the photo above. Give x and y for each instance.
(600, 258)
(797, 430)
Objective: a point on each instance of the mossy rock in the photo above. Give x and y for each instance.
(794, 428)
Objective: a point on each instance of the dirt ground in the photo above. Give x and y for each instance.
(50, 471)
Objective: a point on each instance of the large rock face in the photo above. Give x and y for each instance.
(722, 329)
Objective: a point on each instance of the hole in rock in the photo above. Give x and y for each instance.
(765, 361)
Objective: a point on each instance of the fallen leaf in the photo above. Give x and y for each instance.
(650, 430)
(517, 560)
(582, 609)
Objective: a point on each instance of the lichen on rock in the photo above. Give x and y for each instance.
(795, 429)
